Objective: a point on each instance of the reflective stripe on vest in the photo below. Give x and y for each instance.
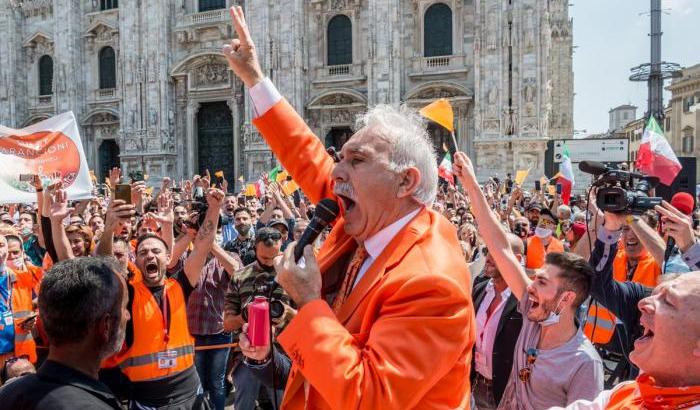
(151, 356)
(600, 324)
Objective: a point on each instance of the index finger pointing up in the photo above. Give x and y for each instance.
(240, 25)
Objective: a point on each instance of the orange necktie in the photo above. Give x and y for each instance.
(350, 275)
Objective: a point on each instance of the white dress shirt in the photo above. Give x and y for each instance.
(486, 327)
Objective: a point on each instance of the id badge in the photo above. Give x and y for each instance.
(167, 359)
(7, 318)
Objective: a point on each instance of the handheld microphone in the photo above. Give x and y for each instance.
(326, 212)
(592, 167)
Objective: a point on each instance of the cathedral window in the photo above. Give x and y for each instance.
(108, 69)
(45, 75)
(109, 4)
(437, 31)
(340, 40)
(206, 5)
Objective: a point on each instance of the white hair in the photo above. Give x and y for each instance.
(411, 146)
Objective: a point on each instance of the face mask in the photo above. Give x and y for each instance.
(553, 318)
(26, 231)
(15, 263)
(243, 229)
(543, 232)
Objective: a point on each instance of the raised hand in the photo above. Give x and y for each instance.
(240, 52)
(118, 211)
(215, 198)
(677, 225)
(165, 213)
(463, 168)
(115, 176)
(59, 209)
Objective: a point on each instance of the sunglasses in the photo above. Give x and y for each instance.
(525, 373)
(276, 236)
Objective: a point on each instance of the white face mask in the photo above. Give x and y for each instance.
(543, 232)
(553, 317)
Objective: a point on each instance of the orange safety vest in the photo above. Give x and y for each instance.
(154, 355)
(600, 323)
(536, 251)
(21, 309)
(115, 359)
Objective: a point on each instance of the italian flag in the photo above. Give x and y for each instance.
(445, 169)
(656, 157)
(566, 176)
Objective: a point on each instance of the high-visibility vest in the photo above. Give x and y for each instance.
(21, 309)
(600, 322)
(536, 251)
(154, 356)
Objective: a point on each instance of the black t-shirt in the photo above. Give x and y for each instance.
(173, 389)
(56, 386)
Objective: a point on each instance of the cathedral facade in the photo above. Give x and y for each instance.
(151, 89)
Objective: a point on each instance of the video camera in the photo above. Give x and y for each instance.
(198, 205)
(621, 192)
(265, 287)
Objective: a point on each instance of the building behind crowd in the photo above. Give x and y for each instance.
(621, 116)
(151, 89)
(683, 118)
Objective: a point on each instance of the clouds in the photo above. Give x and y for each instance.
(683, 7)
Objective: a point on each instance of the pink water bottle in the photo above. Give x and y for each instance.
(259, 322)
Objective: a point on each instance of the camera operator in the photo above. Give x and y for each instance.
(621, 298)
(258, 278)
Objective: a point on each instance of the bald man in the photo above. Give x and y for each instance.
(498, 325)
(667, 353)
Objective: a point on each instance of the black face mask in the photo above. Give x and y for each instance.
(243, 229)
(266, 268)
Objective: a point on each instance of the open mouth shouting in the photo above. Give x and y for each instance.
(346, 194)
(646, 338)
(152, 270)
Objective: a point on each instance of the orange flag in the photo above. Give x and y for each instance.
(250, 190)
(289, 188)
(440, 111)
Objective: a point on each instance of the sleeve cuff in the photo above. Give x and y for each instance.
(692, 256)
(264, 95)
(608, 237)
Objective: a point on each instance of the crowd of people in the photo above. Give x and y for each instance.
(141, 301)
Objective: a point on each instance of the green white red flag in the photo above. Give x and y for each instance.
(445, 169)
(656, 157)
(566, 176)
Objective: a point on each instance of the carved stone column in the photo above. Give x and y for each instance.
(192, 110)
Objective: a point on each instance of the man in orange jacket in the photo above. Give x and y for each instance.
(385, 316)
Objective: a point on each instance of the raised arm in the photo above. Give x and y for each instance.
(650, 239)
(301, 153)
(230, 263)
(117, 211)
(205, 237)
(490, 228)
(58, 211)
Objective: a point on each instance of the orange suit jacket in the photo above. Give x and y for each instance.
(403, 338)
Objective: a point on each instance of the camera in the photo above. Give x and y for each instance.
(264, 286)
(199, 206)
(621, 192)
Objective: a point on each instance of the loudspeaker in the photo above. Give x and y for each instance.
(684, 182)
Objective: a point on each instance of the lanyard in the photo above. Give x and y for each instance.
(7, 301)
(165, 312)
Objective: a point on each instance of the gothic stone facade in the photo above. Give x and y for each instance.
(175, 108)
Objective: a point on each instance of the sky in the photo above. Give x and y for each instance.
(610, 37)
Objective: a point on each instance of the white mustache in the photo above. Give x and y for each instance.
(344, 189)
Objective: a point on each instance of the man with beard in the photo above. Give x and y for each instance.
(244, 285)
(532, 212)
(498, 324)
(83, 303)
(158, 357)
(228, 230)
(243, 244)
(554, 363)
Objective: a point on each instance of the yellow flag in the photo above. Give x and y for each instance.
(282, 176)
(440, 112)
(290, 187)
(219, 174)
(521, 175)
(250, 190)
